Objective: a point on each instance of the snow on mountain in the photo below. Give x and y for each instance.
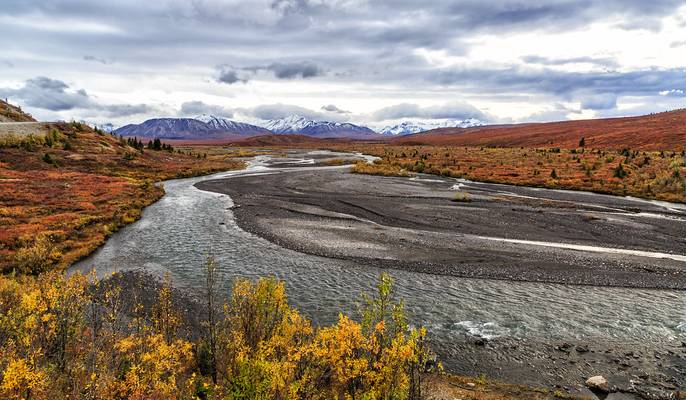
(203, 127)
(324, 129)
(211, 127)
(410, 127)
(166, 128)
(227, 125)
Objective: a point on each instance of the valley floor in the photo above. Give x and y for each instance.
(453, 227)
(461, 228)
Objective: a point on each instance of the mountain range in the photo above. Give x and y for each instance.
(322, 129)
(410, 127)
(211, 127)
(204, 127)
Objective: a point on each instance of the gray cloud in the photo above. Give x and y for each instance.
(295, 69)
(455, 110)
(552, 82)
(194, 108)
(276, 111)
(332, 108)
(55, 95)
(49, 94)
(281, 70)
(228, 74)
(604, 101)
(602, 61)
(96, 59)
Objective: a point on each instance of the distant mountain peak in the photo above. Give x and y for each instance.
(299, 124)
(410, 127)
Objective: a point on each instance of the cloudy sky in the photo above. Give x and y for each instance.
(370, 62)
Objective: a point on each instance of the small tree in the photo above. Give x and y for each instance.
(582, 142)
(166, 318)
(620, 172)
(48, 159)
(553, 174)
(211, 324)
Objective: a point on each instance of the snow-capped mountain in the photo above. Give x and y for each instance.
(227, 125)
(410, 127)
(323, 129)
(166, 128)
(212, 127)
(203, 128)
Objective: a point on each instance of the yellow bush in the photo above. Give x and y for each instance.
(40, 256)
(63, 335)
(380, 169)
(22, 380)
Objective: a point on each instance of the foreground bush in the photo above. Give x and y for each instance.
(71, 338)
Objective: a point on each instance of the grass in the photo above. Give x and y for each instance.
(462, 197)
(336, 161)
(646, 174)
(382, 169)
(11, 113)
(76, 186)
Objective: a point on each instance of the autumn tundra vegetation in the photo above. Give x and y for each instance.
(66, 188)
(76, 337)
(626, 172)
(640, 156)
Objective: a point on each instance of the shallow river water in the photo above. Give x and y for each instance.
(179, 231)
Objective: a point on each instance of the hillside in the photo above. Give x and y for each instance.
(74, 186)
(662, 131)
(12, 113)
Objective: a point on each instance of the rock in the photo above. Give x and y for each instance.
(471, 384)
(582, 349)
(564, 347)
(598, 383)
(480, 342)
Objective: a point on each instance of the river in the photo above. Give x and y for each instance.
(187, 224)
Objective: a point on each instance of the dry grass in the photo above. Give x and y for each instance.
(11, 113)
(337, 161)
(652, 175)
(77, 186)
(461, 197)
(383, 169)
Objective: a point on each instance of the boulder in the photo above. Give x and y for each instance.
(598, 383)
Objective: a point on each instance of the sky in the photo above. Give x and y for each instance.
(367, 62)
